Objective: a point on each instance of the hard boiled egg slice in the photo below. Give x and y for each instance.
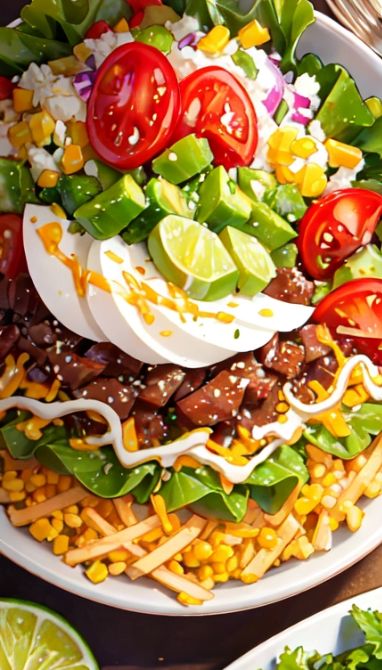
(157, 342)
(52, 279)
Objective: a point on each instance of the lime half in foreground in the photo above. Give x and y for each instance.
(34, 638)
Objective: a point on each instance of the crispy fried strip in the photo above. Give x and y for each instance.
(4, 497)
(13, 464)
(95, 521)
(168, 549)
(265, 558)
(287, 508)
(23, 517)
(112, 542)
(124, 511)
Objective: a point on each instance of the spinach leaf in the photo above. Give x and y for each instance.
(343, 114)
(370, 139)
(273, 481)
(371, 624)
(309, 64)
(364, 422)
(294, 17)
(179, 6)
(200, 489)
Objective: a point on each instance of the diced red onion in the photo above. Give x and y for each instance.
(300, 118)
(188, 41)
(300, 101)
(83, 83)
(275, 96)
(90, 62)
(275, 59)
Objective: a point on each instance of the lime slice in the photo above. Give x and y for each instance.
(192, 257)
(251, 258)
(34, 638)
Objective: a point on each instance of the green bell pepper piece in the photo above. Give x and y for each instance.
(105, 174)
(50, 195)
(285, 257)
(281, 112)
(242, 59)
(247, 179)
(164, 199)
(112, 210)
(16, 186)
(75, 190)
(221, 202)
(287, 201)
(156, 36)
(184, 159)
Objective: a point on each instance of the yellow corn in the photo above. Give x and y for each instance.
(97, 572)
(175, 567)
(89, 535)
(159, 506)
(222, 554)
(60, 545)
(42, 530)
(232, 564)
(373, 490)
(205, 572)
(38, 480)
(64, 482)
(342, 155)
(82, 52)
(117, 569)
(118, 556)
(248, 578)
(58, 525)
(216, 538)
(73, 520)
(356, 395)
(50, 491)
(185, 461)
(329, 479)
(9, 476)
(185, 599)
(202, 550)
(215, 41)
(318, 471)
(105, 508)
(19, 134)
(90, 501)
(354, 516)
(17, 496)
(253, 35)
(72, 160)
(190, 560)
(304, 147)
(121, 27)
(314, 181)
(77, 131)
(267, 538)
(333, 524)
(22, 100)
(221, 577)
(39, 495)
(48, 179)
(219, 568)
(58, 515)
(15, 485)
(42, 128)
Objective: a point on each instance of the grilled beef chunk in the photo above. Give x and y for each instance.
(261, 416)
(35, 352)
(290, 286)
(80, 425)
(110, 391)
(218, 400)
(193, 380)
(73, 370)
(149, 424)
(283, 357)
(117, 362)
(9, 336)
(323, 370)
(313, 347)
(43, 335)
(22, 295)
(161, 383)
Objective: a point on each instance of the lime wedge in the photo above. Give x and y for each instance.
(34, 638)
(192, 257)
(251, 258)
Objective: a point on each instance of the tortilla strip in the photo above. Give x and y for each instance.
(24, 517)
(265, 558)
(4, 497)
(287, 508)
(13, 464)
(124, 511)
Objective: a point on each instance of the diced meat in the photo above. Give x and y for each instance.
(22, 295)
(66, 339)
(4, 302)
(313, 347)
(73, 370)
(80, 424)
(35, 352)
(191, 382)
(261, 416)
(291, 286)
(149, 424)
(224, 433)
(301, 390)
(259, 389)
(218, 400)
(283, 357)
(35, 374)
(9, 336)
(121, 398)
(117, 362)
(323, 370)
(161, 383)
(43, 335)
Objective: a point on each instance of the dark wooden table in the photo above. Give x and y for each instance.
(141, 641)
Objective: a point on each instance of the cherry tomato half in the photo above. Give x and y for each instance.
(134, 106)
(138, 5)
(12, 256)
(97, 30)
(216, 106)
(335, 227)
(355, 311)
(6, 88)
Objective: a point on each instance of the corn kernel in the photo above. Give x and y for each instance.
(222, 553)
(190, 560)
(38, 480)
(328, 501)
(333, 524)
(17, 496)
(222, 577)
(48, 179)
(216, 538)
(202, 550)
(215, 41)
(354, 516)
(42, 128)
(72, 160)
(318, 471)
(248, 578)
(73, 520)
(342, 155)
(22, 100)
(314, 181)
(58, 515)
(219, 568)
(118, 556)
(39, 495)
(185, 599)
(253, 35)
(121, 27)
(232, 564)
(304, 147)
(90, 501)
(15, 485)
(64, 482)
(42, 530)
(73, 509)
(60, 545)
(89, 535)
(9, 476)
(205, 572)
(329, 479)
(78, 133)
(97, 572)
(19, 134)
(57, 525)
(52, 477)
(117, 569)
(305, 506)
(373, 490)
(152, 535)
(267, 538)
(175, 567)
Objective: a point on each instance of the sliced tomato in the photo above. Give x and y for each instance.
(138, 5)
(12, 257)
(134, 106)
(6, 88)
(335, 227)
(216, 106)
(354, 310)
(97, 29)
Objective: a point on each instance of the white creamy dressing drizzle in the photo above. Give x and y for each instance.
(194, 443)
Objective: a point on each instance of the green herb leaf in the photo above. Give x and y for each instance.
(294, 17)
(371, 624)
(297, 659)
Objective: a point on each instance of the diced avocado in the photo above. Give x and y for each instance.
(184, 159)
(270, 228)
(287, 201)
(156, 36)
(255, 182)
(285, 257)
(104, 173)
(251, 259)
(242, 59)
(366, 262)
(281, 112)
(221, 202)
(16, 186)
(164, 199)
(75, 190)
(112, 210)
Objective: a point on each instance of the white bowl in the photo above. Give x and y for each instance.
(334, 45)
(331, 631)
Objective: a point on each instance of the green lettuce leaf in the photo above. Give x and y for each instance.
(309, 64)
(364, 422)
(294, 17)
(297, 659)
(273, 481)
(371, 624)
(370, 139)
(200, 489)
(340, 98)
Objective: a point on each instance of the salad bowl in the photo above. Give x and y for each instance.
(66, 465)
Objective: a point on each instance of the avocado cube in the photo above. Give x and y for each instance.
(75, 190)
(268, 227)
(366, 262)
(112, 210)
(184, 159)
(221, 202)
(254, 182)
